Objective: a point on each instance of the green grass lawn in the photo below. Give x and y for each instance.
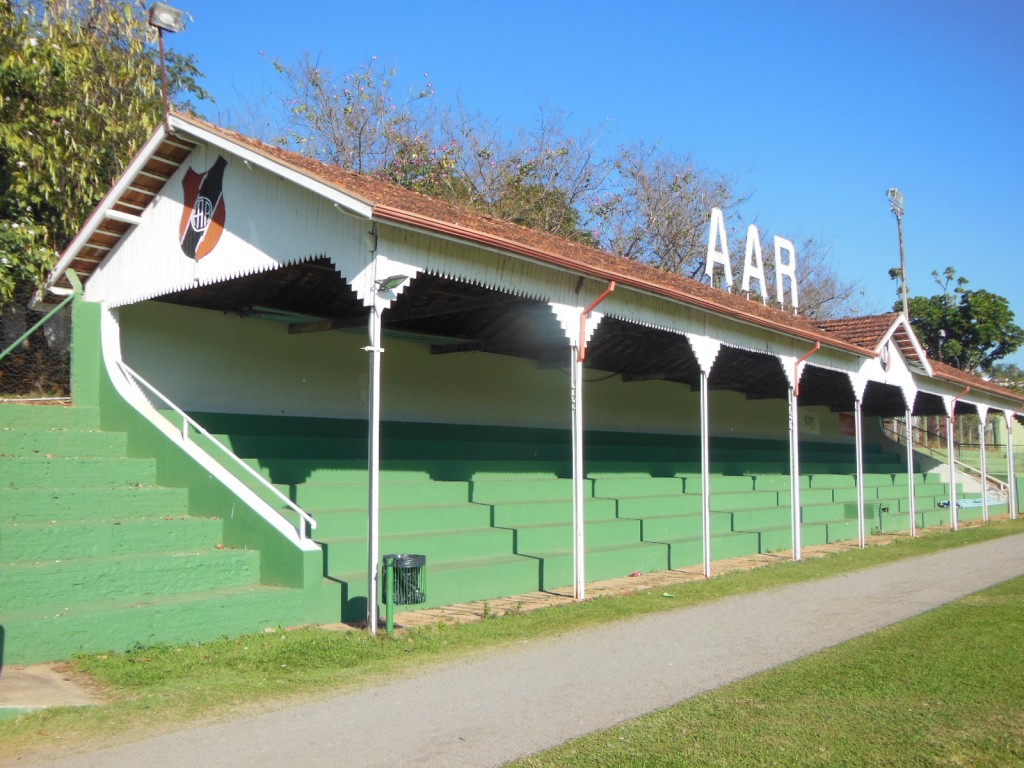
(942, 689)
(160, 688)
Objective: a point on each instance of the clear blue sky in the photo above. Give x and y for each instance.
(815, 107)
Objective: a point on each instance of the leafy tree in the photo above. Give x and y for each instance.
(659, 209)
(968, 329)
(540, 178)
(1008, 375)
(79, 95)
(639, 202)
(355, 123)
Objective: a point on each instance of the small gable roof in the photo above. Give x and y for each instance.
(874, 331)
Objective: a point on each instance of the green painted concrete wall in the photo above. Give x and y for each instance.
(209, 361)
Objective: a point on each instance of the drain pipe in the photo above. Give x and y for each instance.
(796, 368)
(954, 521)
(586, 314)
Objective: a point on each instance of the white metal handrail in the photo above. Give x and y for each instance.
(187, 421)
(898, 437)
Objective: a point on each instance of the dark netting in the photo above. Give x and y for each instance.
(40, 366)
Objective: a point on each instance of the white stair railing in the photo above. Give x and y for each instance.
(987, 481)
(188, 423)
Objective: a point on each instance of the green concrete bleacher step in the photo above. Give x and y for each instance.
(838, 530)
(458, 581)
(737, 500)
(346, 523)
(671, 527)
(615, 487)
(438, 546)
(511, 514)
(608, 562)
(493, 490)
(44, 417)
(62, 443)
(758, 518)
(778, 482)
(54, 631)
(138, 575)
(824, 513)
(65, 540)
(46, 472)
(688, 551)
(597, 533)
(893, 522)
(658, 506)
(401, 490)
(27, 505)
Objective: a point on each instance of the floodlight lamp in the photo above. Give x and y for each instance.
(896, 200)
(390, 283)
(165, 18)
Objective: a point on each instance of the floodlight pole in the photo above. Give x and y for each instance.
(896, 204)
(163, 82)
(164, 18)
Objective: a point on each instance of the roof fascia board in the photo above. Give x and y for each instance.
(901, 320)
(979, 394)
(342, 199)
(109, 200)
(405, 220)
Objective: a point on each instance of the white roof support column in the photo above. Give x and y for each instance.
(859, 384)
(950, 402)
(373, 465)
(858, 430)
(911, 479)
(1011, 475)
(579, 324)
(706, 350)
(982, 417)
(377, 285)
(794, 473)
(794, 444)
(579, 550)
(950, 453)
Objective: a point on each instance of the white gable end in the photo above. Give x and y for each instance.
(258, 222)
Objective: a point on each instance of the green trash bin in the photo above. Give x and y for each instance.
(404, 582)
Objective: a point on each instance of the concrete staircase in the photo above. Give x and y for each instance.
(95, 555)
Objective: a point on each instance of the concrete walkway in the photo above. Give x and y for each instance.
(519, 700)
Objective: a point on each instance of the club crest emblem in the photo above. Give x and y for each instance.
(202, 220)
(884, 357)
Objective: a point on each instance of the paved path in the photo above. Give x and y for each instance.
(519, 700)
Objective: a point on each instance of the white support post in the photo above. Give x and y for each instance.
(373, 463)
(858, 421)
(911, 480)
(794, 474)
(578, 517)
(953, 517)
(1011, 475)
(982, 417)
(705, 472)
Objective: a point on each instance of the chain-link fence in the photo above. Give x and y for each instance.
(40, 366)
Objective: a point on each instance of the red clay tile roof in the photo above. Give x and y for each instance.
(864, 331)
(396, 204)
(402, 206)
(950, 373)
